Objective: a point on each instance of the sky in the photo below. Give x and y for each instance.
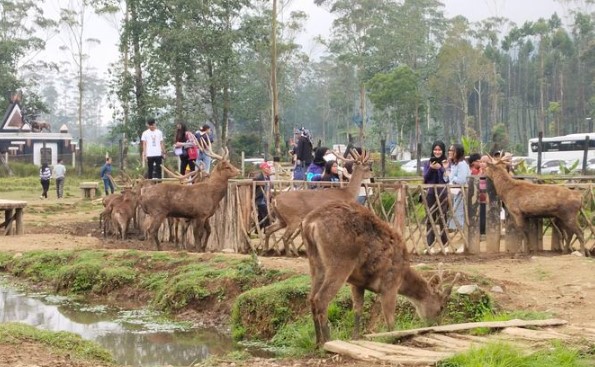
(319, 23)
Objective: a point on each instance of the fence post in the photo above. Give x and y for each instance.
(400, 207)
(493, 221)
(472, 224)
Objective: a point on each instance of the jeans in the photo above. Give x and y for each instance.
(204, 162)
(107, 184)
(60, 187)
(154, 172)
(45, 186)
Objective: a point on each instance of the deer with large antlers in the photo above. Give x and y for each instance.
(291, 207)
(346, 242)
(525, 199)
(197, 202)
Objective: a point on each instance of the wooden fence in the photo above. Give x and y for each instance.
(403, 203)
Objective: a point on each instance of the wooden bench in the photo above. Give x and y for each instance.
(88, 189)
(13, 212)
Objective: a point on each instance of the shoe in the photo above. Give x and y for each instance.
(41, 196)
(460, 250)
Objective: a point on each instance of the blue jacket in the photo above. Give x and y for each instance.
(105, 171)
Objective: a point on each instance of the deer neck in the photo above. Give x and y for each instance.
(414, 286)
(356, 181)
(502, 180)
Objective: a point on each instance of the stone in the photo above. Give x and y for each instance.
(467, 289)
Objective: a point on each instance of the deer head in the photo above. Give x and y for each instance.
(361, 163)
(439, 295)
(224, 168)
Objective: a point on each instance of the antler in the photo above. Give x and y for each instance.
(205, 146)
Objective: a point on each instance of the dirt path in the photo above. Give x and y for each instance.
(562, 285)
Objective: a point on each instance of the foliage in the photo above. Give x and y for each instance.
(62, 343)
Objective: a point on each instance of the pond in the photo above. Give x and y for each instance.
(134, 338)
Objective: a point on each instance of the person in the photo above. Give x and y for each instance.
(45, 174)
(457, 171)
(303, 155)
(316, 168)
(262, 193)
(184, 140)
(153, 149)
(106, 176)
(437, 200)
(204, 160)
(331, 172)
(59, 174)
(476, 168)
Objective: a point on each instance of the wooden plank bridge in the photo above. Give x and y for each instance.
(427, 346)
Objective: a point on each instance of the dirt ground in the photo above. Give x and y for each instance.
(562, 285)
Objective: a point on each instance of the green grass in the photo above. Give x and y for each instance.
(500, 354)
(60, 342)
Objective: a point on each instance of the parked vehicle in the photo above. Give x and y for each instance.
(552, 166)
(411, 166)
(528, 161)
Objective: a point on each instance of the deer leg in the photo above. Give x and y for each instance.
(327, 291)
(388, 302)
(269, 230)
(154, 222)
(572, 227)
(197, 228)
(357, 296)
(207, 231)
(289, 231)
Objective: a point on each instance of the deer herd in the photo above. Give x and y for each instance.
(345, 242)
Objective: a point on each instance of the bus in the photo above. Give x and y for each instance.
(567, 147)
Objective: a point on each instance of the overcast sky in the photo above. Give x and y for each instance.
(319, 23)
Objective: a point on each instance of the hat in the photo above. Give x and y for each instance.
(265, 165)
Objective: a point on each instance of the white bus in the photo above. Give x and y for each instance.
(568, 147)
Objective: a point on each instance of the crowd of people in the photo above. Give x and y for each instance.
(445, 169)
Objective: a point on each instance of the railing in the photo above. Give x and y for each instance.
(404, 204)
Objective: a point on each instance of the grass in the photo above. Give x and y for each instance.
(501, 354)
(63, 343)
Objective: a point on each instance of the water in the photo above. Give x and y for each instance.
(132, 337)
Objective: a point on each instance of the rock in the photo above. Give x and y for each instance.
(17, 255)
(497, 289)
(577, 253)
(467, 289)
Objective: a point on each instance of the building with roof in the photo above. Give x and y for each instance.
(33, 142)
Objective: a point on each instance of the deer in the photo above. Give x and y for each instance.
(525, 199)
(290, 207)
(124, 210)
(346, 242)
(197, 202)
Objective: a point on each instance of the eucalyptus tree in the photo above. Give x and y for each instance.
(74, 18)
(252, 91)
(24, 31)
(460, 66)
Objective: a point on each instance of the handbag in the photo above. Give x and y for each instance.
(192, 152)
(178, 151)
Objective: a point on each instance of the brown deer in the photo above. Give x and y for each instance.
(525, 199)
(198, 201)
(346, 242)
(291, 207)
(124, 210)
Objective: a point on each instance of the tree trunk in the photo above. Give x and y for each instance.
(274, 92)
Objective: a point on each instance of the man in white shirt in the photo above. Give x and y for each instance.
(153, 149)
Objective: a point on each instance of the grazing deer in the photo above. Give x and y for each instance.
(291, 207)
(525, 199)
(346, 242)
(198, 201)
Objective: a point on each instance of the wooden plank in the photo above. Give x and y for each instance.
(532, 334)
(403, 350)
(452, 341)
(352, 350)
(437, 343)
(468, 326)
(473, 338)
(364, 354)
